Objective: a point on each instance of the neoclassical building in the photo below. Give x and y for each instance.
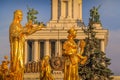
(49, 41)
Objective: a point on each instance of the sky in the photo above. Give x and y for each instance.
(109, 16)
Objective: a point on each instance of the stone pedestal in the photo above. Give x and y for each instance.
(97, 26)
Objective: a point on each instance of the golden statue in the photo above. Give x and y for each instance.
(4, 69)
(80, 1)
(17, 35)
(45, 73)
(72, 58)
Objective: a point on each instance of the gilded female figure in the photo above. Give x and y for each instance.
(17, 35)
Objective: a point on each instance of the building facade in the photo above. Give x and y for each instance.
(49, 41)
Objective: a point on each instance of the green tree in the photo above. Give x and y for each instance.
(96, 67)
(31, 15)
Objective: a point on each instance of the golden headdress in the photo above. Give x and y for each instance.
(72, 30)
(18, 11)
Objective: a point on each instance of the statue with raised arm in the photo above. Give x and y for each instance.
(94, 14)
(17, 35)
(72, 57)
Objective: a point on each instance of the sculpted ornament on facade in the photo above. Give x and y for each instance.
(57, 63)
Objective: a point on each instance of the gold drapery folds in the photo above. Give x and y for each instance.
(17, 35)
(72, 58)
(45, 73)
(4, 69)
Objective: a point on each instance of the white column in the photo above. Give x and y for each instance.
(63, 9)
(80, 9)
(47, 48)
(75, 9)
(103, 45)
(36, 52)
(26, 52)
(39, 50)
(69, 9)
(54, 10)
(58, 48)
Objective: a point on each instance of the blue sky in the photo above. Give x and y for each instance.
(109, 15)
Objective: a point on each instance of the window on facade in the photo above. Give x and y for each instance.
(42, 49)
(52, 48)
(30, 50)
(62, 42)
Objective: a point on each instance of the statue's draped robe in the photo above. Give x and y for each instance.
(45, 73)
(17, 50)
(71, 61)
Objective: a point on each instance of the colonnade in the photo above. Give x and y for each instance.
(39, 50)
(46, 49)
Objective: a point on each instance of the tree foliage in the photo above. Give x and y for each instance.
(96, 67)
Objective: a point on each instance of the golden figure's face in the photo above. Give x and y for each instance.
(46, 57)
(72, 32)
(18, 15)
